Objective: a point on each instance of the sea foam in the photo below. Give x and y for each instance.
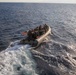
(17, 60)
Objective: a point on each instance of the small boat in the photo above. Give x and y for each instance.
(36, 42)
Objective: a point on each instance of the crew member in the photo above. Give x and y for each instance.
(29, 35)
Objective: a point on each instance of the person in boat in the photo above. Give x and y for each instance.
(34, 35)
(29, 35)
(40, 30)
(45, 27)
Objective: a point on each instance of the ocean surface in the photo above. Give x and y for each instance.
(55, 56)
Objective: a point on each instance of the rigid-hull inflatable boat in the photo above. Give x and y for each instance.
(36, 42)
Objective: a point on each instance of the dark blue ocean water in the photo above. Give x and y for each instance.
(18, 17)
(60, 50)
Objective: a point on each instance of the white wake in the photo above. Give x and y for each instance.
(17, 60)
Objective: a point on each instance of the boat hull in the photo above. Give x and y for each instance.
(40, 40)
